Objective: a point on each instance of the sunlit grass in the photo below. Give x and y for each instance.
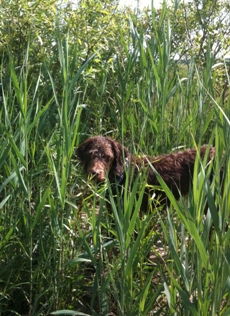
(67, 244)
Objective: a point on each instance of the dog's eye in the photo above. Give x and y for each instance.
(95, 155)
(105, 157)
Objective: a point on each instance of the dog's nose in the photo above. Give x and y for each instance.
(97, 175)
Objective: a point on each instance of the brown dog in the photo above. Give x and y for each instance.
(103, 157)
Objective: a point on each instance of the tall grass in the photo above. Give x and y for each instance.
(36, 168)
(62, 249)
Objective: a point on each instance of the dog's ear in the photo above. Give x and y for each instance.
(80, 151)
(120, 155)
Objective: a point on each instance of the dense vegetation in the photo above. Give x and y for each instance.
(155, 80)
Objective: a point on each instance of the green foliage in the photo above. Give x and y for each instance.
(200, 25)
(68, 72)
(24, 22)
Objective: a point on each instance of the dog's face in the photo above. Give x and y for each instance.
(100, 157)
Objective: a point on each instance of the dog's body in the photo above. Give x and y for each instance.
(103, 157)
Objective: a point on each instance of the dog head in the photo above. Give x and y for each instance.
(102, 157)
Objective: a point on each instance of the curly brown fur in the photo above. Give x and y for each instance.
(103, 157)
